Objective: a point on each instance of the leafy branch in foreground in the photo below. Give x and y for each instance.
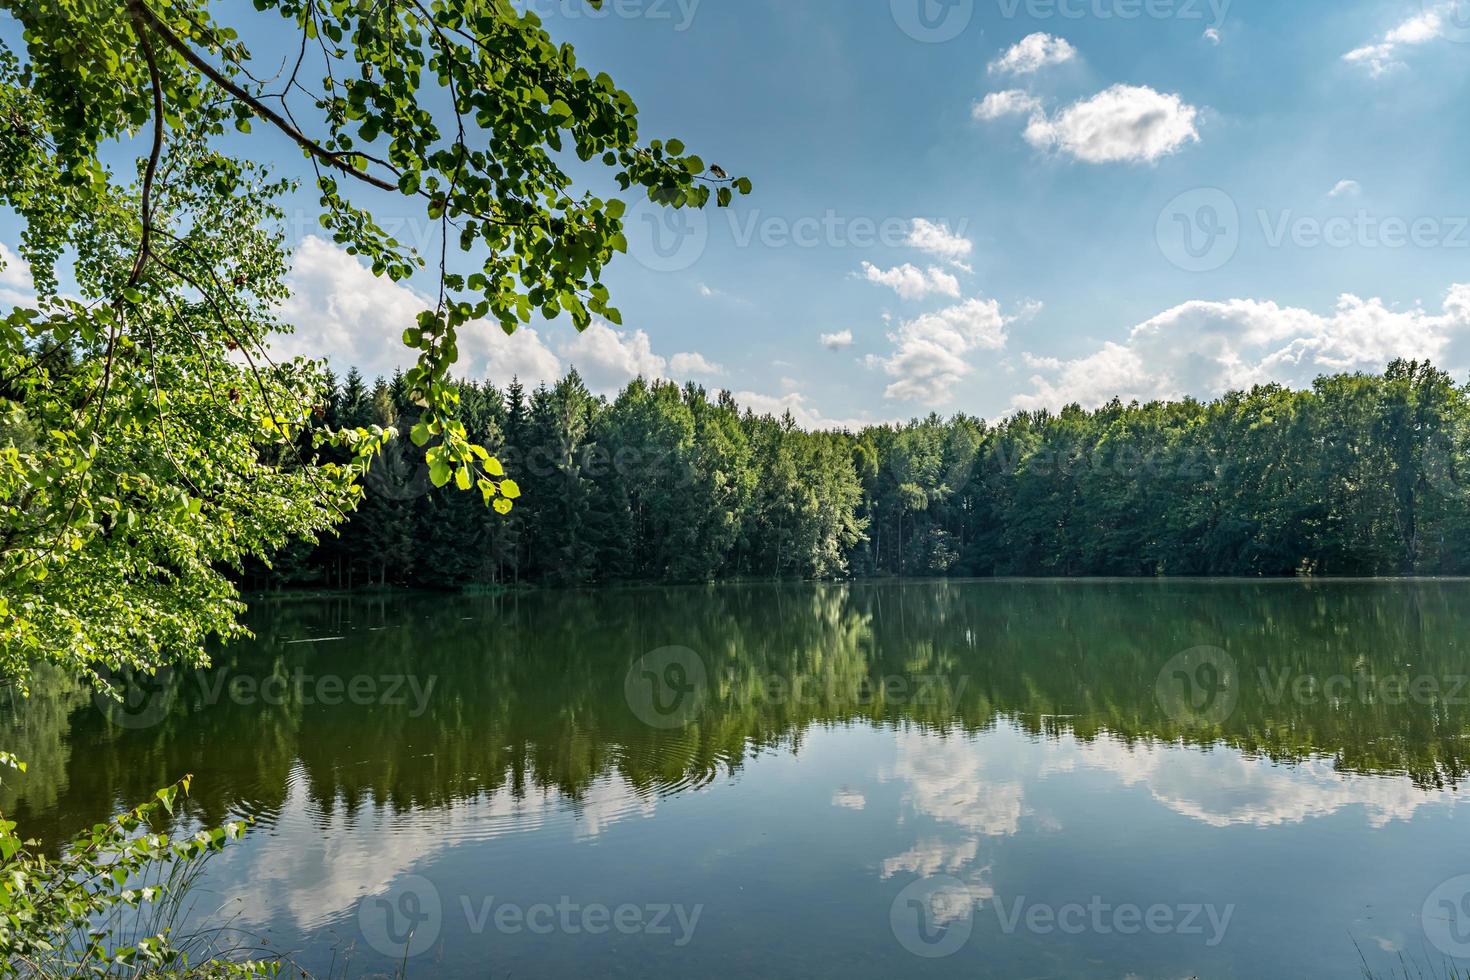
(487, 169)
(108, 905)
(147, 442)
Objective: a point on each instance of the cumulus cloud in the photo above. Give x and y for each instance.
(341, 311)
(1212, 34)
(935, 238)
(14, 272)
(1011, 102)
(930, 352)
(841, 340)
(1207, 348)
(608, 358)
(16, 286)
(1033, 53)
(689, 364)
(1382, 57)
(1345, 188)
(911, 282)
(807, 415)
(1122, 124)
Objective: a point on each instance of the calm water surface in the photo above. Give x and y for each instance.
(989, 779)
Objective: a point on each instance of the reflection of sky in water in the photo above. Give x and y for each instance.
(811, 847)
(310, 868)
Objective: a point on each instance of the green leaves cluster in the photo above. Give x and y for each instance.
(147, 440)
(102, 908)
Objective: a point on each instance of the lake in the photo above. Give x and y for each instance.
(1153, 779)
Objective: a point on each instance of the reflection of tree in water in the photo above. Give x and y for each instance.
(529, 689)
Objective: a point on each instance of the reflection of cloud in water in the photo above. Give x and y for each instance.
(314, 866)
(960, 793)
(1221, 787)
(931, 856)
(947, 782)
(850, 799)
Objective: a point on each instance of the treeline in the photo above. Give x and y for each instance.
(1360, 475)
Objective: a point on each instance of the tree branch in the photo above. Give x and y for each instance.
(158, 27)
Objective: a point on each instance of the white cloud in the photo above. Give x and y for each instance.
(807, 415)
(850, 799)
(1212, 34)
(493, 356)
(14, 272)
(841, 340)
(1381, 57)
(936, 239)
(1032, 53)
(1207, 348)
(607, 359)
(911, 282)
(1125, 123)
(17, 289)
(929, 356)
(1012, 102)
(343, 312)
(1345, 188)
(688, 363)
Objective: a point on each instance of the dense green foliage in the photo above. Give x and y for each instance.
(1361, 475)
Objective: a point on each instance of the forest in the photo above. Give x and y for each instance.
(1359, 475)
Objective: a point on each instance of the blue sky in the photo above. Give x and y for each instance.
(912, 245)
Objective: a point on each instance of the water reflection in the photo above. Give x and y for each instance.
(845, 741)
